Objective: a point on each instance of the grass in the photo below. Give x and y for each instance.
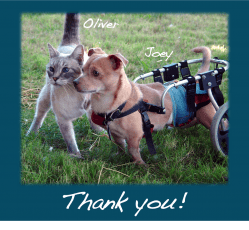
(183, 155)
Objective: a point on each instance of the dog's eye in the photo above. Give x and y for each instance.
(51, 69)
(95, 73)
(65, 70)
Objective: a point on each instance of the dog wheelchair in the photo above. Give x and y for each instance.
(208, 81)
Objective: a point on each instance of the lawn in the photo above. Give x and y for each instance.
(184, 156)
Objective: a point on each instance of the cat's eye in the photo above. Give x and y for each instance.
(65, 70)
(95, 73)
(51, 69)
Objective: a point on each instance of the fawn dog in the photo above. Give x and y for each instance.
(104, 77)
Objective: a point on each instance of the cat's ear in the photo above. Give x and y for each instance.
(52, 51)
(78, 54)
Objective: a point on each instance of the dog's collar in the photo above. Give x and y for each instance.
(112, 115)
(143, 107)
(105, 118)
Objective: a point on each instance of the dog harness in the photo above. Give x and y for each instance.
(181, 112)
(142, 107)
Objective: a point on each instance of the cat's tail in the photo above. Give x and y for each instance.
(206, 58)
(71, 30)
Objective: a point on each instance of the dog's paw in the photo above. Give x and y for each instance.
(140, 162)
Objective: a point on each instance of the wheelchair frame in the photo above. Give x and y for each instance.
(217, 127)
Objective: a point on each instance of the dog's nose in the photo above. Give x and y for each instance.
(55, 78)
(76, 82)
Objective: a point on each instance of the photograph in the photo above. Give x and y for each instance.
(120, 112)
(124, 98)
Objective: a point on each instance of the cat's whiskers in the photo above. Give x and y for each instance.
(70, 86)
(63, 82)
(67, 93)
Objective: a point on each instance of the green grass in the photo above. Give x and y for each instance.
(183, 155)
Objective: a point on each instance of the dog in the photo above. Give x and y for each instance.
(58, 93)
(105, 79)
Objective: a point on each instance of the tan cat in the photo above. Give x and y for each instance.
(64, 66)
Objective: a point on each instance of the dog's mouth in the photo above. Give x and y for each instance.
(86, 91)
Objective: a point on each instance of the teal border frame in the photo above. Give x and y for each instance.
(46, 202)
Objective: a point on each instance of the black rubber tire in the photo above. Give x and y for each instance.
(220, 137)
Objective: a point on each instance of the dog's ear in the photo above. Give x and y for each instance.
(95, 51)
(116, 60)
(78, 54)
(52, 51)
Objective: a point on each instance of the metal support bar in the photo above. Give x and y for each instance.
(211, 97)
(182, 82)
(220, 62)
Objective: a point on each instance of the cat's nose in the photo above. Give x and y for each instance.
(55, 78)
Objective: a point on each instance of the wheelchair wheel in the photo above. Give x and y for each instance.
(219, 130)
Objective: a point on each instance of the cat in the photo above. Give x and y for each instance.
(58, 93)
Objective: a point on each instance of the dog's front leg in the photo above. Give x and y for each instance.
(66, 128)
(42, 107)
(133, 147)
(120, 143)
(93, 126)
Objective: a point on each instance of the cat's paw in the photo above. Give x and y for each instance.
(77, 155)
